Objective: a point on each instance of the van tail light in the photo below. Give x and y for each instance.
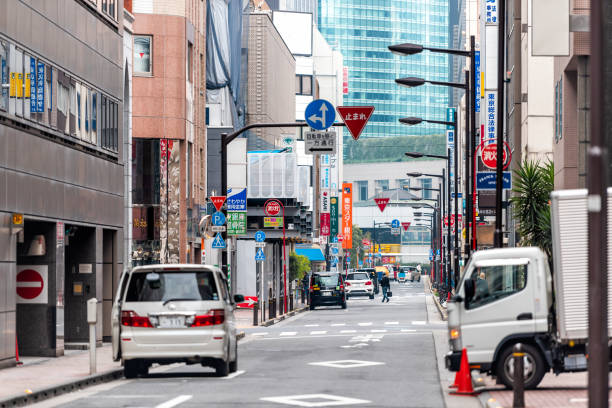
(311, 289)
(347, 283)
(368, 283)
(213, 318)
(131, 319)
(342, 288)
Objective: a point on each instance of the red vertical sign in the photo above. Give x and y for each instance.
(325, 224)
(347, 215)
(345, 89)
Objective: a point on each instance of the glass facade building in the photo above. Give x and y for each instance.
(362, 30)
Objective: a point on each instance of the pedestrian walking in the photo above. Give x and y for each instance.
(386, 286)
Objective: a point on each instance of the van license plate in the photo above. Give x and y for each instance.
(171, 321)
(327, 293)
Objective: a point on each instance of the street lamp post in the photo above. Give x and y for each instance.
(412, 49)
(447, 195)
(415, 121)
(434, 236)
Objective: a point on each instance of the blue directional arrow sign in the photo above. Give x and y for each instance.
(260, 256)
(218, 219)
(320, 114)
(260, 236)
(334, 250)
(395, 224)
(218, 242)
(348, 259)
(334, 261)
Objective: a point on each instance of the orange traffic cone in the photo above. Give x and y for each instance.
(456, 383)
(464, 379)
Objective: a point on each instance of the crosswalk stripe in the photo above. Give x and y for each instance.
(389, 323)
(418, 322)
(378, 331)
(365, 324)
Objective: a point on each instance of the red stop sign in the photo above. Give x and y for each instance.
(30, 284)
(272, 208)
(489, 155)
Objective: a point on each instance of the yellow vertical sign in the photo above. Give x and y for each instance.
(19, 85)
(13, 84)
(27, 85)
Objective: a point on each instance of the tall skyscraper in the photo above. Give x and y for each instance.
(362, 30)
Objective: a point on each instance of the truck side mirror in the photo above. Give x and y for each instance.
(469, 290)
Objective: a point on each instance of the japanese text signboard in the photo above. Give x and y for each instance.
(355, 118)
(236, 223)
(334, 216)
(347, 215)
(322, 142)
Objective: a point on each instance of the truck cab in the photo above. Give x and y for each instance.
(503, 298)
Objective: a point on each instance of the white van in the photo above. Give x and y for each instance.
(174, 313)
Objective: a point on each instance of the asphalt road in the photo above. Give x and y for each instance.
(371, 354)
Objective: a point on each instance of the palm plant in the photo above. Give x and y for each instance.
(533, 184)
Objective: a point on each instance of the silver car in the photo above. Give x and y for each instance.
(174, 313)
(358, 284)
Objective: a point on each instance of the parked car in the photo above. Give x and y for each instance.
(403, 274)
(358, 284)
(327, 288)
(174, 313)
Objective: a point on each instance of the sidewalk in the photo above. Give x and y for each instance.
(562, 391)
(40, 377)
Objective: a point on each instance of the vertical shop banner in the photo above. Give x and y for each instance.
(491, 117)
(325, 224)
(32, 91)
(347, 215)
(40, 87)
(345, 83)
(334, 216)
(477, 75)
(236, 211)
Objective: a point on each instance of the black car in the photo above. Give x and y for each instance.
(326, 289)
(372, 273)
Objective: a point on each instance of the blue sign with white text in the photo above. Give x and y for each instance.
(236, 199)
(477, 74)
(260, 236)
(218, 219)
(320, 114)
(334, 250)
(218, 242)
(33, 75)
(487, 180)
(40, 88)
(395, 224)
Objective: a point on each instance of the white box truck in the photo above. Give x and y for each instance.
(508, 296)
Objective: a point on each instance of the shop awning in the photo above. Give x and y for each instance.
(313, 254)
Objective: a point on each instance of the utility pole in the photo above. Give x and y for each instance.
(597, 171)
(499, 187)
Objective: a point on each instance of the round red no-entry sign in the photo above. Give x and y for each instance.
(30, 284)
(489, 156)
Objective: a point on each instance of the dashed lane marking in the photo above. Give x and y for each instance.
(418, 322)
(260, 334)
(378, 331)
(365, 324)
(348, 331)
(311, 325)
(338, 324)
(175, 401)
(408, 331)
(318, 332)
(288, 334)
(391, 323)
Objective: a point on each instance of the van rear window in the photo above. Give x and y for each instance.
(179, 285)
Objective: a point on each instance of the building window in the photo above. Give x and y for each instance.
(362, 190)
(189, 62)
(403, 184)
(427, 185)
(109, 7)
(4, 75)
(381, 185)
(142, 54)
(558, 110)
(303, 84)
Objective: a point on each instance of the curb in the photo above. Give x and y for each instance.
(57, 390)
(283, 317)
(441, 310)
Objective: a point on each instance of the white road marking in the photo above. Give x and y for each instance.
(260, 334)
(358, 345)
(318, 332)
(302, 400)
(348, 331)
(346, 363)
(418, 322)
(408, 331)
(234, 375)
(338, 324)
(390, 323)
(311, 325)
(175, 401)
(378, 331)
(310, 337)
(365, 324)
(288, 334)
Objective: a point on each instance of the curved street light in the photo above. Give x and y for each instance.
(411, 49)
(412, 82)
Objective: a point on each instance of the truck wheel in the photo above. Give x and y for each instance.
(535, 366)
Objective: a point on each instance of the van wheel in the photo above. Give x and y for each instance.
(131, 368)
(223, 367)
(311, 307)
(535, 366)
(233, 366)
